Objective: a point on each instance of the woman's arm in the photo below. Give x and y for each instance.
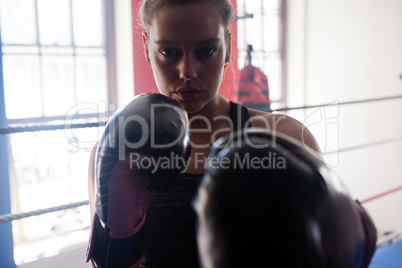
(284, 124)
(91, 181)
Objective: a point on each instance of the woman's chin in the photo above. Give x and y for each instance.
(190, 106)
(191, 109)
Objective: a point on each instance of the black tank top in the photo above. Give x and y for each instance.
(170, 226)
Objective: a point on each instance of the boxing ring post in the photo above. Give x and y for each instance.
(6, 241)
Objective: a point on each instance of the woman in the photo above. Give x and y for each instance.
(188, 46)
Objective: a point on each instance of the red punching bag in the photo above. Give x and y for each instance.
(251, 89)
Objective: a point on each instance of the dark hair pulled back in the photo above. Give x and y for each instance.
(150, 7)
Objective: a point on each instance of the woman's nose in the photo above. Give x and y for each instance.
(188, 68)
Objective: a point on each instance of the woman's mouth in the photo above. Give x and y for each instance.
(188, 93)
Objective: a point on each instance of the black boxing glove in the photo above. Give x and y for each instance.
(266, 199)
(147, 130)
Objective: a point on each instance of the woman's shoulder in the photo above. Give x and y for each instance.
(283, 124)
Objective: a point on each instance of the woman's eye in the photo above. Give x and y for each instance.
(169, 52)
(206, 52)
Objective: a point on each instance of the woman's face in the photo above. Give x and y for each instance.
(187, 49)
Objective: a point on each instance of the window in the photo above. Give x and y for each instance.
(57, 62)
(264, 32)
(54, 56)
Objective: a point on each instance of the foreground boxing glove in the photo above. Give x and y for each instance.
(266, 200)
(135, 156)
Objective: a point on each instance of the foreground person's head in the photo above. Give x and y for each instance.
(187, 45)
